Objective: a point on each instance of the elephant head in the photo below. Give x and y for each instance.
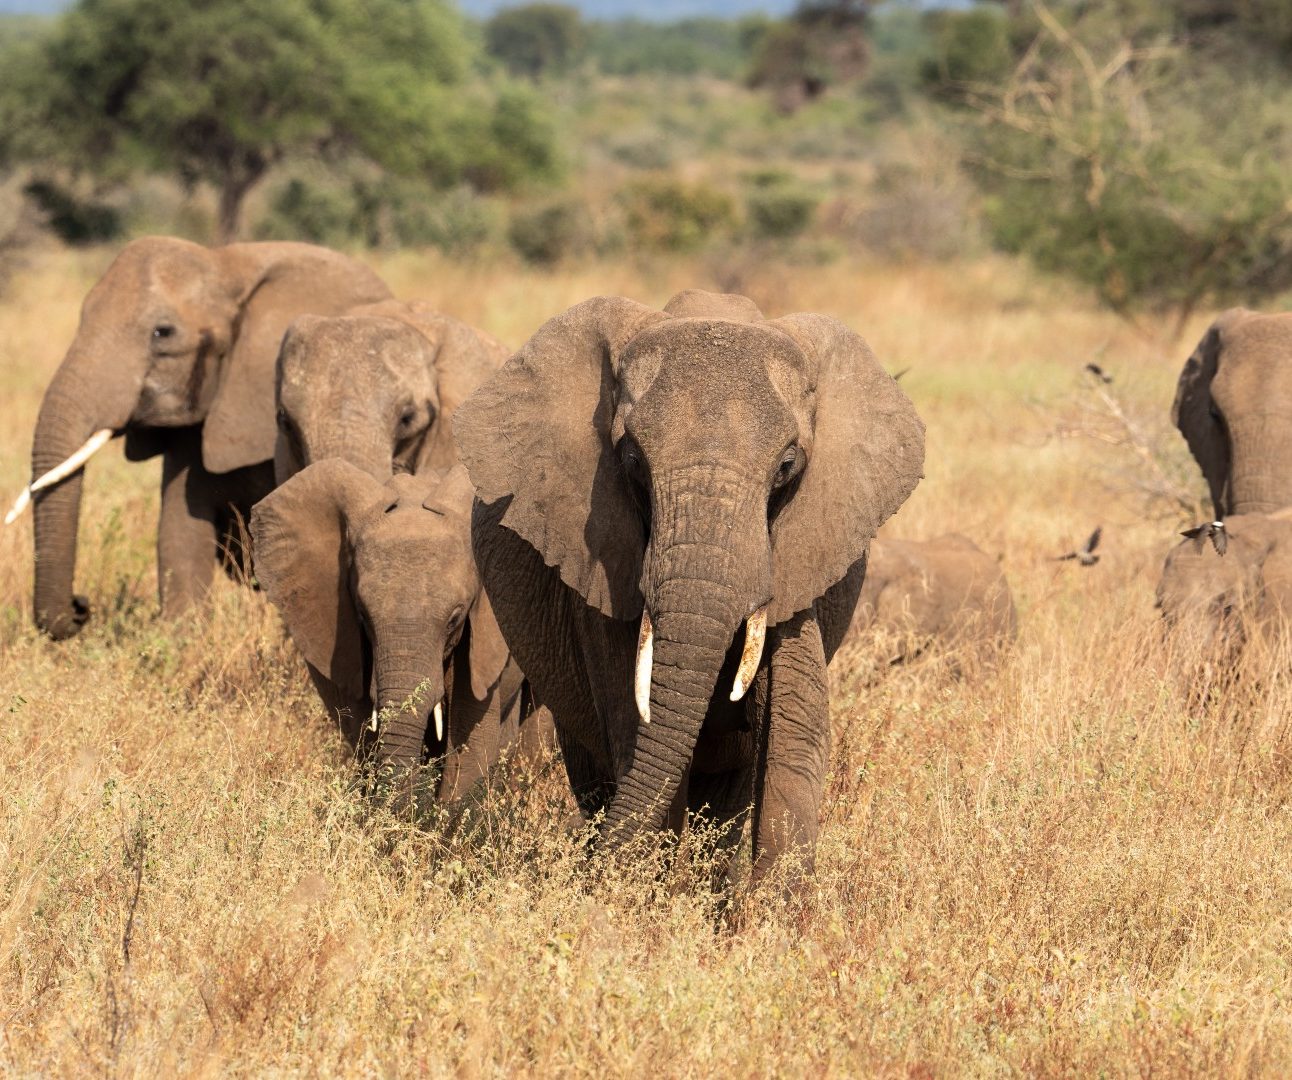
(379, 590)
(695, 470)
(173, 335)
(377, 386)
(1233, 404)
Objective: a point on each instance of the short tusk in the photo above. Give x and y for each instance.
(372, 721)
(439, 721)
(92, 446)
(755, 633)
(645, 662)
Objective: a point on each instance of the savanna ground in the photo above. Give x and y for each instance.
(1060, 868)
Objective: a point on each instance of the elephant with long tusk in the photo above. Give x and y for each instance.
(674, 510)
(175, 351)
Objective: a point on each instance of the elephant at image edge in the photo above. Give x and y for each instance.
(943, 594)
(1211, 603)
(658, 490)
(176, 348)
(377, 386)
(1233, 404)
(378, 587)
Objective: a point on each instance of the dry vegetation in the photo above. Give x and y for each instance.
(1061, 868)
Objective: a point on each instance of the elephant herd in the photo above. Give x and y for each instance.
(648, 531)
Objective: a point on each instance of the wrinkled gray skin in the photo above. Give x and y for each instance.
(176, 349)
(1233, 405)
(1211, 603)
(944, 594)
(379, 590)
(377, 386)
(697, 462)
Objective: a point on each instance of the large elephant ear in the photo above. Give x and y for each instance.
(465, 359)
(282, 282)
(867, 455)
(1193, 412)
(538, 435)
(302, 561)
(488, 649)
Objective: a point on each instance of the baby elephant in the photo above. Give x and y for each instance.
(379, 590)
(1220, 586)
(945, 593)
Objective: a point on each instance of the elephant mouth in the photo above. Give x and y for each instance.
(751, 654)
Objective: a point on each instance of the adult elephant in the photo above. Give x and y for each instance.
(673, 514)
(377, 386)
(1233, 404)
(175, 350)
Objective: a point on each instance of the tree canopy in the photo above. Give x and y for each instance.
(218, 91)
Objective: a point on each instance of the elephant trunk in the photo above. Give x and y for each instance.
(70, 414)
(708, 578)
(410, 686)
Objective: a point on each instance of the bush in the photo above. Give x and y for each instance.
(73, 219)
(779, 212)
(667, 214)
(547, 234)
(970, 48)
(300, 210)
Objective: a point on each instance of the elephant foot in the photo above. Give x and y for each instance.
(66, 624)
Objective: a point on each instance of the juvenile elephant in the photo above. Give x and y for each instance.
(377, 386)
(176, 350)
(672, 521)
(945, 593)
(1212, 603)
(379, 590)
(1233, 404)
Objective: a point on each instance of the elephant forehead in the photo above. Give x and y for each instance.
(712, 369)
(150, 271)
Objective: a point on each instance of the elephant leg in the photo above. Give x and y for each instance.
(795, 747)
(474, 731)
(591, 789)
(187, 532)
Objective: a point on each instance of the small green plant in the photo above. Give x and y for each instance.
(778, 212)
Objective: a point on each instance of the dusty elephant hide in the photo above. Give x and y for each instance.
(377, 386)
(674, 509)
(943, 600)
(176, 350)
(379, 590)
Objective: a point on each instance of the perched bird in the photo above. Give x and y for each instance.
(1099, 373)
(1210, 530)
(1086, 555)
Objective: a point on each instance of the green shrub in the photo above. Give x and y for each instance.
(536, 39)
(970, 48)
(73, 219)
(778, 212)
(666, 214)
(302, 210)
(547, 234)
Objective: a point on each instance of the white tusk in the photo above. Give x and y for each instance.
(645, 662)
(755, 632)
(59, 472)
(439, 720)
(372, 721)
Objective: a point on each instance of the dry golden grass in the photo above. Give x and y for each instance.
(1057, 869)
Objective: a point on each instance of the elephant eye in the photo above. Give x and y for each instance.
(163, 330)
(281, 416)
(634, 461)
(791, 464)
(407, 417)
(455, 620)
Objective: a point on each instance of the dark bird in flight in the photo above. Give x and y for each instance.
(1211, 530)
(1085, 555)
(1099, 373)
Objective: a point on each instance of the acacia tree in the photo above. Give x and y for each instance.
(218, 91)
(1121, 153)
